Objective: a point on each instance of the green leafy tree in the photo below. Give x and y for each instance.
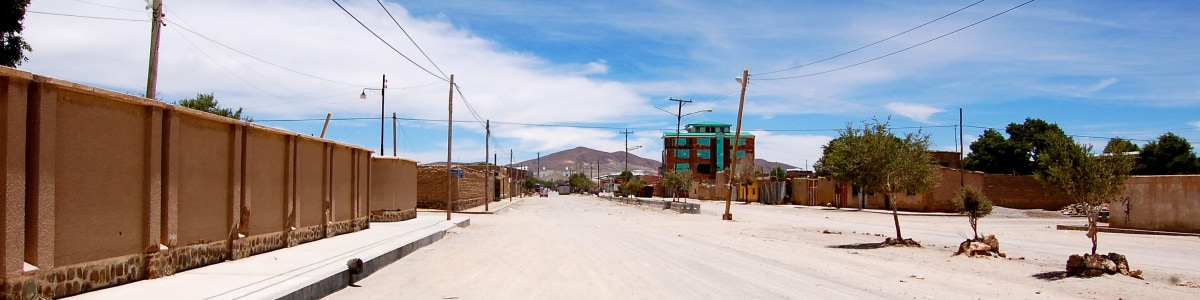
(778, 172)
(674, 181)
(1034, 136)
(992, 153)
(206, 103)
(1088, 180)
(625, 176)
(531, 183)
(631, 187)
(973, 204)
(1169, 155)
(877, 160)
(12, 46)
(1120, 145)
(580, 182)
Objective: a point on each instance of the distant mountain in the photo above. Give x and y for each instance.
(557, 165)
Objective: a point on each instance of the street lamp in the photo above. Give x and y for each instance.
(743, 81)
(382, 105)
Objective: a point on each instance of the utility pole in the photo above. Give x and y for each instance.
(393, 134)
(511, 187)
(487, 176)
(538, 172)
(679, 114)
(382, 114)
(323, 128)
(156, 24)
(962, 180)
(449, 141)
(736, 140)
(626, 133)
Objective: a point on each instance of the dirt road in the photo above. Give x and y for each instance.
(581, 247)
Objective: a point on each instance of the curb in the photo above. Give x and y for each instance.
(1127, 231)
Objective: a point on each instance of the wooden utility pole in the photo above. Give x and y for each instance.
(323, 128)
(487, 176)
(626, 133)
(737, 135)
(155, 25)
(449, 141)
(382, 114)
(393, 134)
(962, 179)
(512, 189)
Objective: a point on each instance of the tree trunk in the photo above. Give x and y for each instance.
(895, 216)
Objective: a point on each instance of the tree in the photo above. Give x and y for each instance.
(531, 183)
(580, 182)
(206, 103)
(994, 154)
(631, 187)
(674, 181)
(1120, 145)
(625, 176)
(877, 160)
(778, 172)
(973, 204)
(12, 46)
(1169, 155)
(1088, 180)
(1034, 136)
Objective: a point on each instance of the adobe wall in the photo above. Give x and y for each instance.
(103, 188)
(1166, 203)
(465, 193)
(393, 189)
(1022, 192)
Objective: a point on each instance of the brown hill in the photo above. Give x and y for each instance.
(556, 165)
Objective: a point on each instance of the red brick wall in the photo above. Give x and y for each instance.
(468, 192)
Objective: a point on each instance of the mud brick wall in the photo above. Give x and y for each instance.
(467, 192)
(1165, 203)
(1022, 192)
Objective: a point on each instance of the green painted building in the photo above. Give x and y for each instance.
(703, 149)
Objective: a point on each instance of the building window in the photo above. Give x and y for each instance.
(680, 141)
(741, 142)
(741, 154)
(681, 153)
(704, 169)
(703, 154)
(681, 167)
(704, 142)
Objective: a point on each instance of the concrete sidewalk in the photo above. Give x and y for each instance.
(308, 271)
(492, 208)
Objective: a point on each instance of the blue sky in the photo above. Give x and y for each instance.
(553, 75)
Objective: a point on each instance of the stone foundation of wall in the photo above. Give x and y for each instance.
(458, 205)
(361, 223)
(339, 228)
(305, 234)
(171, 261)
(75, 279)
(262, 243)
(393, 215)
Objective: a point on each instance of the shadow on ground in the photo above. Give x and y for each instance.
(861, 246)
(1051, 276)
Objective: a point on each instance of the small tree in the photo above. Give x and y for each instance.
(674, 181)
(973, 204)
(580, 182)
(1088, 180)
(778, 172)
(207, 103)
(631, 187)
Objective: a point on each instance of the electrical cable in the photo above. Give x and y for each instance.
(364, 26)
(901, 50)
(85, 17)
(410, 39)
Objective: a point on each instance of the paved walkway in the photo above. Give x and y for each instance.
(307, 271)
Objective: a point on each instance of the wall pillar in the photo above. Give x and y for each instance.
(13, 109)
(169, 215)
(39, 201)
(152, 205)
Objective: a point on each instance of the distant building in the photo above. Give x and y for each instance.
(704, 149)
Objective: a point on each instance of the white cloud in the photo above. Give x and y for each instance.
(796, 150)
(916, 112)
(1196, 123)
(1104, 83)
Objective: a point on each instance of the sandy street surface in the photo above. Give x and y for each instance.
(582, 247)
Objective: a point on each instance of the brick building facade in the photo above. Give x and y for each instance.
(704, 150)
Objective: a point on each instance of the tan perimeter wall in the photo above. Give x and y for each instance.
(465, 193)
(1166, 203)
(103, 188)
(393, 189)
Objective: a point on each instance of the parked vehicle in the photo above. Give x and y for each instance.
(544, 192)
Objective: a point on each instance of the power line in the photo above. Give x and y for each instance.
(110, 6)
(876, 42)
(259, 59)
(901, 50)
(364, 26)
(410, 39)
(85, 17)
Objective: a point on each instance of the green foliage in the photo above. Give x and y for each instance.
(1089, 180)
(206, 103)
(674, 181)
(994, 154)
(531, 183)
(580, 182)
(625, 176)
(778, 172)
(877, 160)
(631, 187)
(1169, 155)
(1120, 145)
(973, 204)
(12, 46)
(1034, 136)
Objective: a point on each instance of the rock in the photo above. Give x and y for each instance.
(1100, 263)
(993, 242)
(1136, 274)
(1075, 265)
(1121, 262)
